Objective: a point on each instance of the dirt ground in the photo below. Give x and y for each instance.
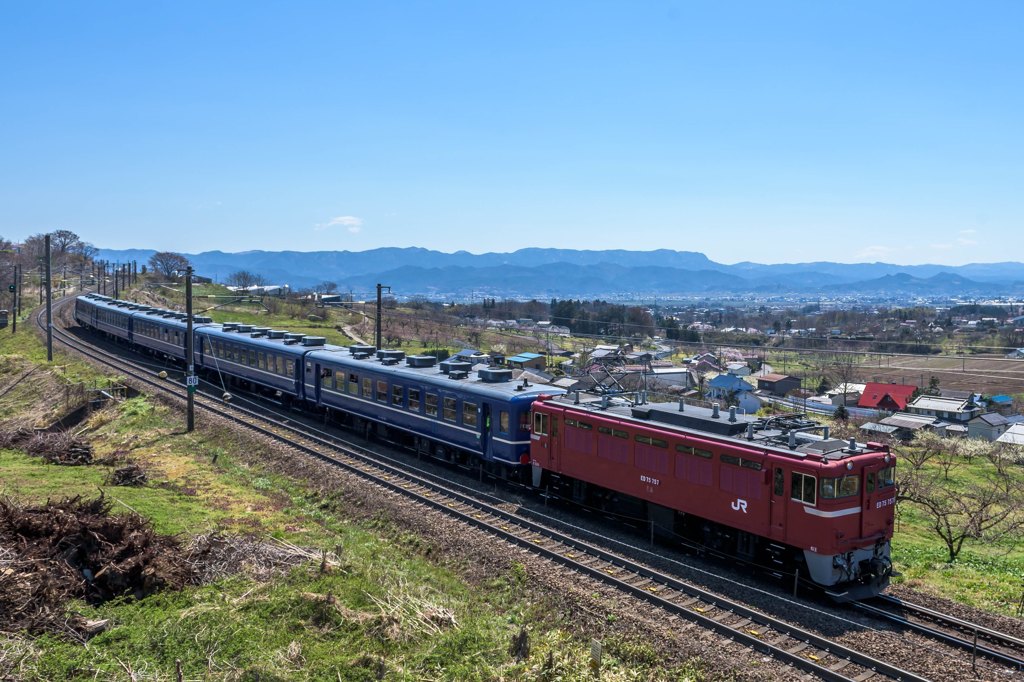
(990, 376)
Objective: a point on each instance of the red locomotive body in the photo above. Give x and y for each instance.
(777, 491)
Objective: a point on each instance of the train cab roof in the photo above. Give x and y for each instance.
(793, 435)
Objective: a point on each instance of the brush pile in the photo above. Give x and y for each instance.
(76, 549)
(129, 475)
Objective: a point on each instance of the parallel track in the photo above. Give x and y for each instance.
(788, 643)
(978, 639)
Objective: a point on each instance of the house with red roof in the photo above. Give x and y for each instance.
(889, 397)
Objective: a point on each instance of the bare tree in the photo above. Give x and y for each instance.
(326, 287)
(241, 278)
(989, 509)
(168, 264)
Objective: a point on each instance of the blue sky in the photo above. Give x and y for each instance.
(772, 132)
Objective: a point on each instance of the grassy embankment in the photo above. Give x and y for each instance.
(368, 618)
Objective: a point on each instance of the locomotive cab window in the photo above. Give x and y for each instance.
(803, 488)
(886, 477)
(843, 486)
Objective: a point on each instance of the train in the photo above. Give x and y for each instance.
(778, 491)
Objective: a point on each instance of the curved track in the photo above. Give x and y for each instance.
(800, 648)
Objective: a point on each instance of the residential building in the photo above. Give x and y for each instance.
(960, 410)
(989, 426)
(777, 384)
(887, 397)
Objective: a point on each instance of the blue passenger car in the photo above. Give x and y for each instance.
(266, 358)
(106, 315)
(482, 413)
(164, 332)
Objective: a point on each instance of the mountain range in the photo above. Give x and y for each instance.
(546, 273)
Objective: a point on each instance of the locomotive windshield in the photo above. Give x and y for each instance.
(844, 486)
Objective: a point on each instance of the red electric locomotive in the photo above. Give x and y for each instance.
(777, 491)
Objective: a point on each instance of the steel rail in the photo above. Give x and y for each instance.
(971, 645)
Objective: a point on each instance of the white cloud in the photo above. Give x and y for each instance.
(968, 231)
(966, 242)
(349, 222)
(876, 251)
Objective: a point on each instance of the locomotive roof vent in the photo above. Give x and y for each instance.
(714, 411)
(358, 348)
(395, 355)
(420, 360)
(276, 333)
(732, 413)
(493, 375)
(458, 374)
(853, 445)
(229, 327)
(314, 340)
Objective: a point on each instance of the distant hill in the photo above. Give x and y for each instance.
(543, 273)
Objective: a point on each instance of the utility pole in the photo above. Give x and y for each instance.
(14, 299)
(21, 274)
(191, 380)
(49, 306)
(380, 309)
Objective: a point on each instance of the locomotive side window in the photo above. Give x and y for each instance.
(620, 434)
(503, 421)
(540, 424)
(449, 409)
(886, 477)
(780, 481)
(803, 488)
(469, 414)
(414, 399)
(432, 404)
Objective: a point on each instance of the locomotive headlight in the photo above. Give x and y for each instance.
(886, 459)
(849, 466)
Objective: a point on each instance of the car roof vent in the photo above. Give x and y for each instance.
(314, 341)
(395, 355)
(458, 374)
(388, 361)
(493, 375)
(292, 337)
(244, 328)
(201, 319)
(360, 355)
(259, 331)
(420, 361)
(448, 366)
(276, 333)
(361, 348)
(229, 327)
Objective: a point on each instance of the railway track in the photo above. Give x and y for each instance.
(802, 649)
(977, 639)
